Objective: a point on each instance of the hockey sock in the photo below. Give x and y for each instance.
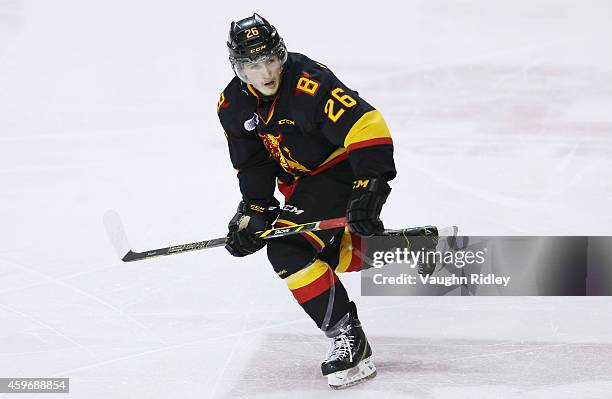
(320, 293)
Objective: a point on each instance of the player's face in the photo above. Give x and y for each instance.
(264, 75)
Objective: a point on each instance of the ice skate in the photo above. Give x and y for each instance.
(349, 361)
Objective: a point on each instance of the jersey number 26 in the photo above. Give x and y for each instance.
(344, 99)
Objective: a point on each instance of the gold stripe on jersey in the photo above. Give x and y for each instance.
(307, 275)
(252, 90)
(346, 252)
(370, 126)
(337, 152)
(271, 112)
(221, 101)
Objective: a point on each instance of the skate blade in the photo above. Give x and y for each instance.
(364, 371)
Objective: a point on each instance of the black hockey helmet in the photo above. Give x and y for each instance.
(252, 39)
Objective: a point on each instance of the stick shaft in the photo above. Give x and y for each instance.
(132, 256)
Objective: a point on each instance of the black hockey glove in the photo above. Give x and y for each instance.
(251, 217)
(364, 207)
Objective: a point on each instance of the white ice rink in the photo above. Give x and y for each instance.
(500, 112)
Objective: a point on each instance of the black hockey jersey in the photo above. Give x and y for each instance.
(312, 123)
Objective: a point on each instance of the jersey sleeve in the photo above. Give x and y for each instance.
(256, 170)
(349, 121)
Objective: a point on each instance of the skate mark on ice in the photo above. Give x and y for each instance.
(47, 326)
(417, 367)
(173, 347)
(90, 296)
(229, 358)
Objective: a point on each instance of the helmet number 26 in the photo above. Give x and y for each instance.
(251, 32)
(344, 99)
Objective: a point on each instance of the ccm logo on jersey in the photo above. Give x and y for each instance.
(252, 123)
(286, 122)
(292, 209)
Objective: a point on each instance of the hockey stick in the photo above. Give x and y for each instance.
(116, 233)
(118, 237)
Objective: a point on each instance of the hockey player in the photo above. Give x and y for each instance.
(289, 121)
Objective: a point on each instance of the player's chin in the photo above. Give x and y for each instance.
(269, 89)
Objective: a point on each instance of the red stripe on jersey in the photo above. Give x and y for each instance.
(359, 247)
(328, 165)
(316, 288)
(369, 143)
(287, 189)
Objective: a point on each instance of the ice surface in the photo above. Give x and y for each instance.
(500, 114)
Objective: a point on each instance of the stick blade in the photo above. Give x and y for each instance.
(131, 256)
(116, 233)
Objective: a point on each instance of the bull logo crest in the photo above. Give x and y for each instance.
(282, 154)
